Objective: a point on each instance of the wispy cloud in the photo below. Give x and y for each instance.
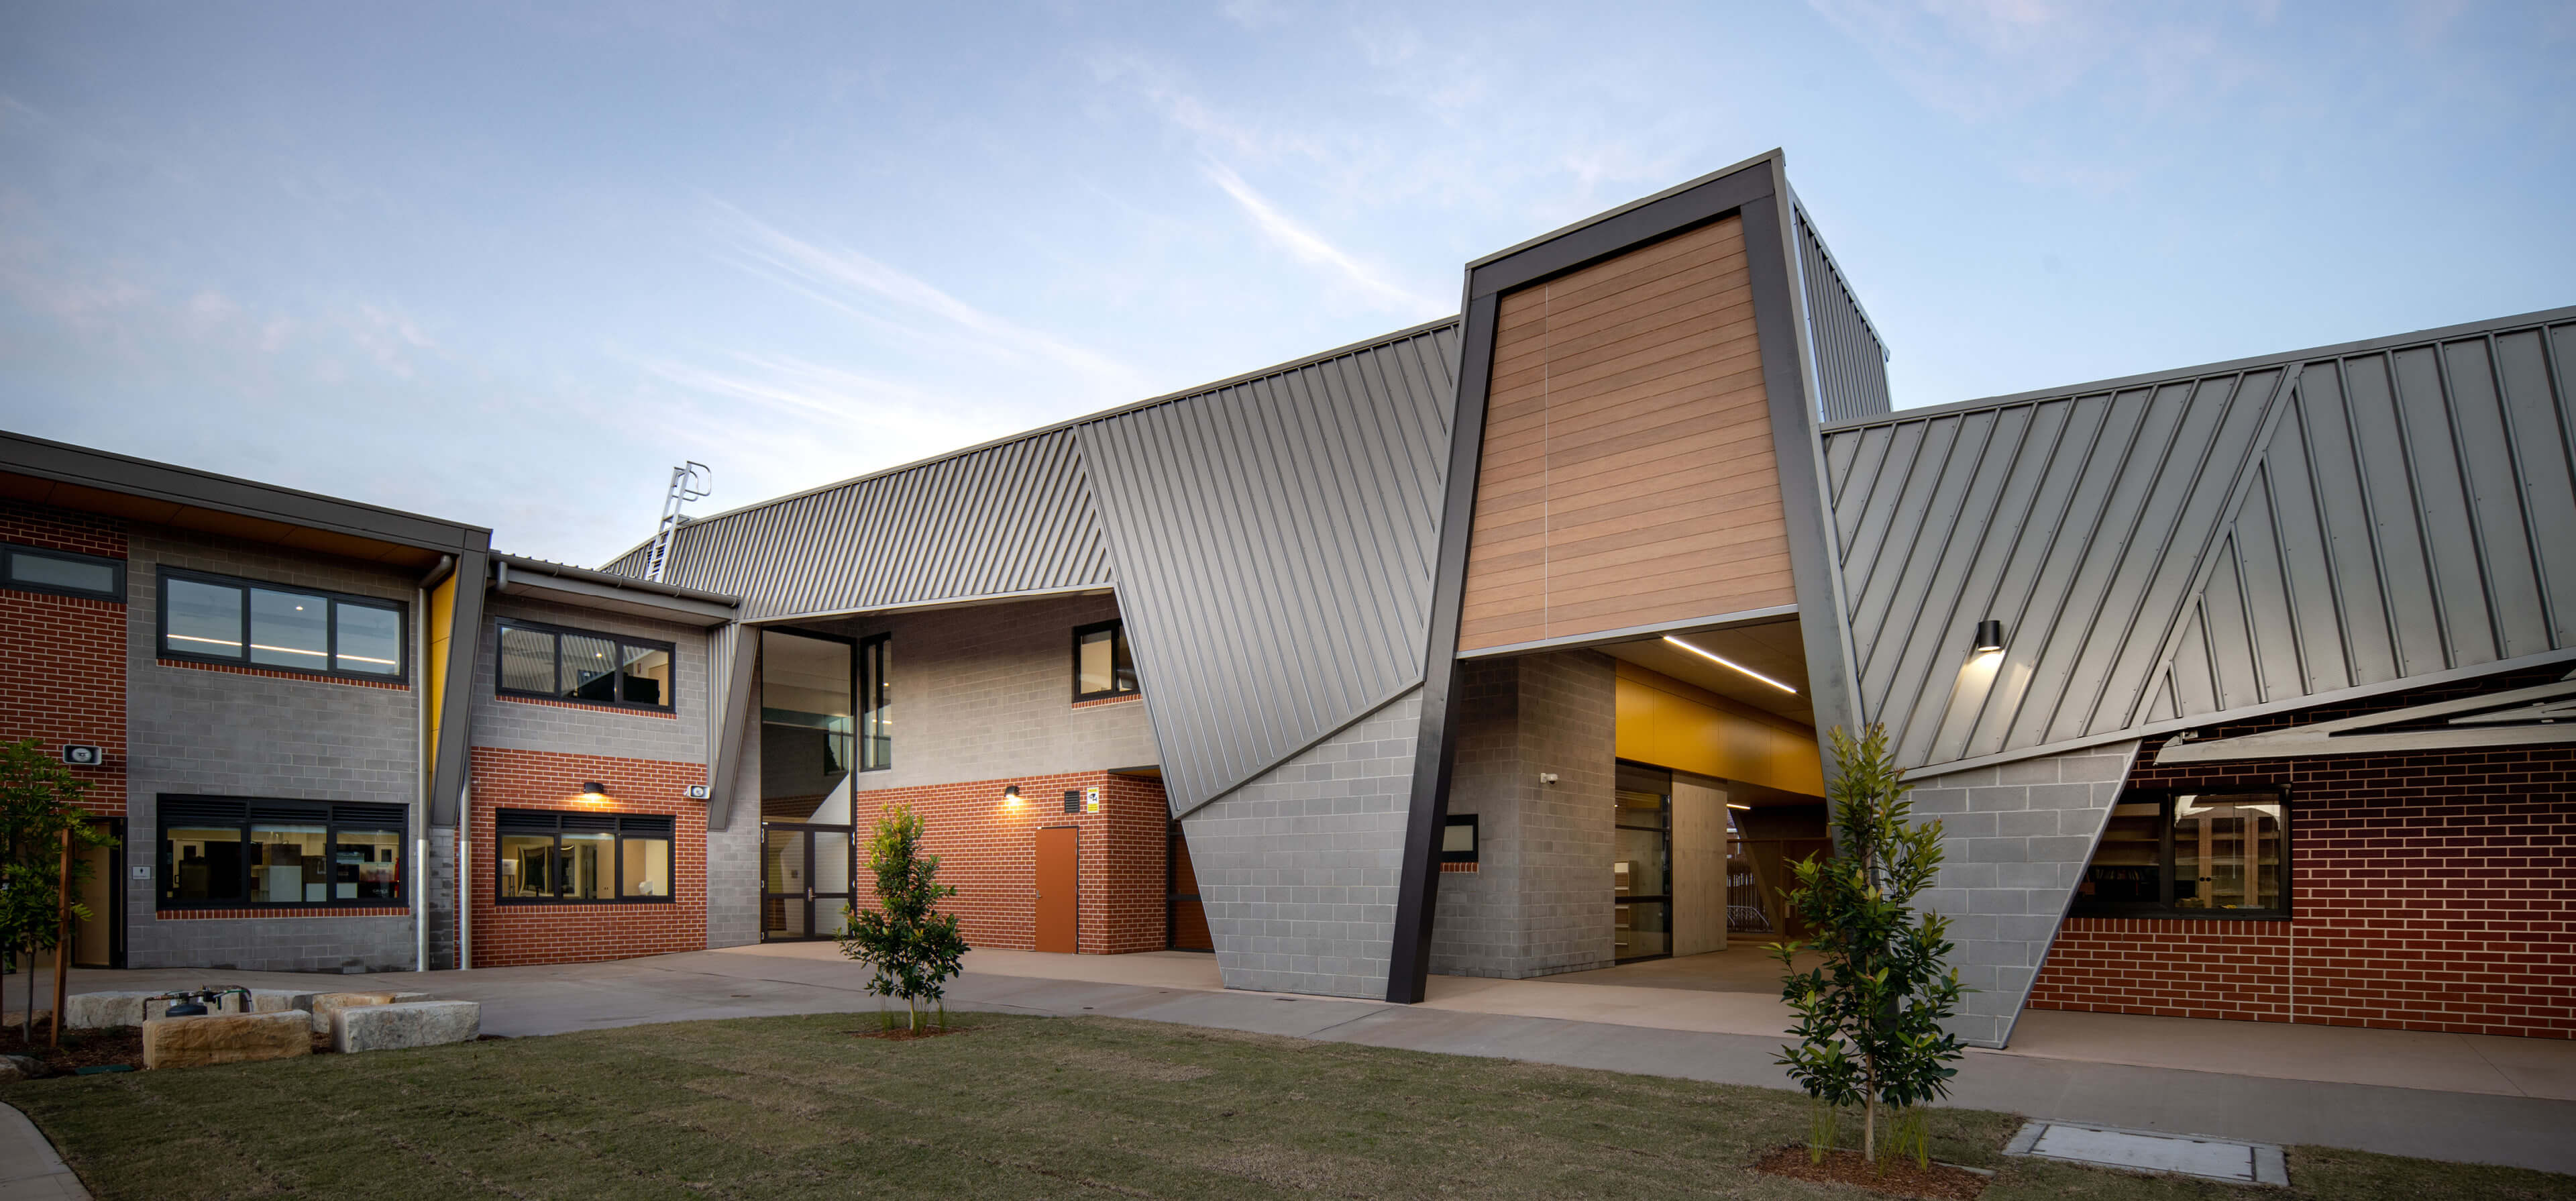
(1310, 247)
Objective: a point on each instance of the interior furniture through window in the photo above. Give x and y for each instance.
(229, 852)
(1102, 665)
(548, 856)
(579, 665)
(62, 572)
(216, 619)
(2191, 854)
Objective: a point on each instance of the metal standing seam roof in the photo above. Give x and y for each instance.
(1270, 538)
(1851, 359)
(2172, 550)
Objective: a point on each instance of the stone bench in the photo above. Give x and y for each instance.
(405, 1024)
(323, 1005)
(196, 1042)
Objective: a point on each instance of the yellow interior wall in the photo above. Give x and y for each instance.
(1668, 723)
(433, 679)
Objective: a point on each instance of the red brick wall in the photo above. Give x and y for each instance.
(62, 658)
(2429, 892)
(988, 851)
(505, 935)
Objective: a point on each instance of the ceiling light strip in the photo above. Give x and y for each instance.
(1723, 661)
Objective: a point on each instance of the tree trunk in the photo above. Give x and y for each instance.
(1869, 1122)
(912, 1011)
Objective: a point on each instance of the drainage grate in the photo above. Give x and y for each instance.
(2147, 1151)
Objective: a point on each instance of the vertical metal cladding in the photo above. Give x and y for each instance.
(1008, 518)
(2176, 548)
(1851, 361)
(1274, 541)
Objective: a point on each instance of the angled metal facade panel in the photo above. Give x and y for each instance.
(1851, 361)
(1009, 518)
(2165, 550)
(1274, 541)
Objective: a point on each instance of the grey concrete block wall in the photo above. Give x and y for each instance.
(733, 851)
(1299, 868)
(986, 692)
(1540, 901)
(517, 725)
(2015, 839)
(191, 731)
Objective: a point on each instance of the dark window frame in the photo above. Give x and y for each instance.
(2164, 908)
(10, 580)
(871, 668)
(525, 822)
(331, 644)
(618, 689)
(1117, 628)
(1475, 839)
(332, 815)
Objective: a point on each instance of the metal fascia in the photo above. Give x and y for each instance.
(86, 467)
(1719, 621)
(569, 590)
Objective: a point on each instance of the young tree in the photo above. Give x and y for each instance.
(1869, 1016)
(913, 947)
(38, 802)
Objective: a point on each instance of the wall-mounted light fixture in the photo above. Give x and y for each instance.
(1733, 805)
(1011, 795)
(1723, 661)
(594, 791)
(1990, 636)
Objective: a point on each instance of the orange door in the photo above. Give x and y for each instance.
(1056, 902)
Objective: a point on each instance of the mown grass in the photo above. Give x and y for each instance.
(1013, 1107)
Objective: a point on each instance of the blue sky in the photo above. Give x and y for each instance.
(507, 264)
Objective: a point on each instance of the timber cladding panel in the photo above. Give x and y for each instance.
(1627, 476)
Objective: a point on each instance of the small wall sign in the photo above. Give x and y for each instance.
(83, 755)
(697, 792)
(1091, 800)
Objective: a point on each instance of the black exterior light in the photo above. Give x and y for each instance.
(593, 790)
(1011, 795)
(1990, 636)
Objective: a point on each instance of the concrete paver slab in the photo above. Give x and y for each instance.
(2212, 1158)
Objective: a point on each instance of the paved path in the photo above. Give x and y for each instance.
(2518, 1109)
(29, 1169)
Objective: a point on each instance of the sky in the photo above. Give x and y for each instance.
(507, 264)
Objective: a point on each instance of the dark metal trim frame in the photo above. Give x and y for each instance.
(1757, 190)
(1117, 638)
(870, 669)
(2164, 800)
(8, 574)
(812, 895)
(620, 641)
(258, 809)
(531, 822)
(331, 645)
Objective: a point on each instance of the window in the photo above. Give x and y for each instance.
(211, 619)
(573, 665)
(547, 856)
(2191, 854)
(1458, 839)
(62, 572)
(227, 853)
(1102, 666)
(876, 704)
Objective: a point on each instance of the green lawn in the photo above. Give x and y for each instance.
(1014, 1107)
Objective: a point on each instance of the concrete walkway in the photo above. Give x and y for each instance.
(29, 1169)
(2453, 1097)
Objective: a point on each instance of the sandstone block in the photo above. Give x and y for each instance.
(195, 1042)
(325, 1004)
(279, 1000)
(95, 1010)
(405, 1024)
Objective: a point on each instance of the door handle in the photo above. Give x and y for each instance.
(809, 892)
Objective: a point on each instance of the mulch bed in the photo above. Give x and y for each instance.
(1893, 1175)
(901, 1034)
(80, 1049)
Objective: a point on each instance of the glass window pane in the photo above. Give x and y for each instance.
(290, 629)
(371, 639)
(205, 619)
(2128, 866)
(1093, 666)
(1122, 665)
(366, 865)
(876, 697)
(589, 668)
(54, 571)
(201, 863)
(644, 866)
(527, 660)
(286, 863)
(2227, 852)
(585, 861)
(647, 671)
(526, 864)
